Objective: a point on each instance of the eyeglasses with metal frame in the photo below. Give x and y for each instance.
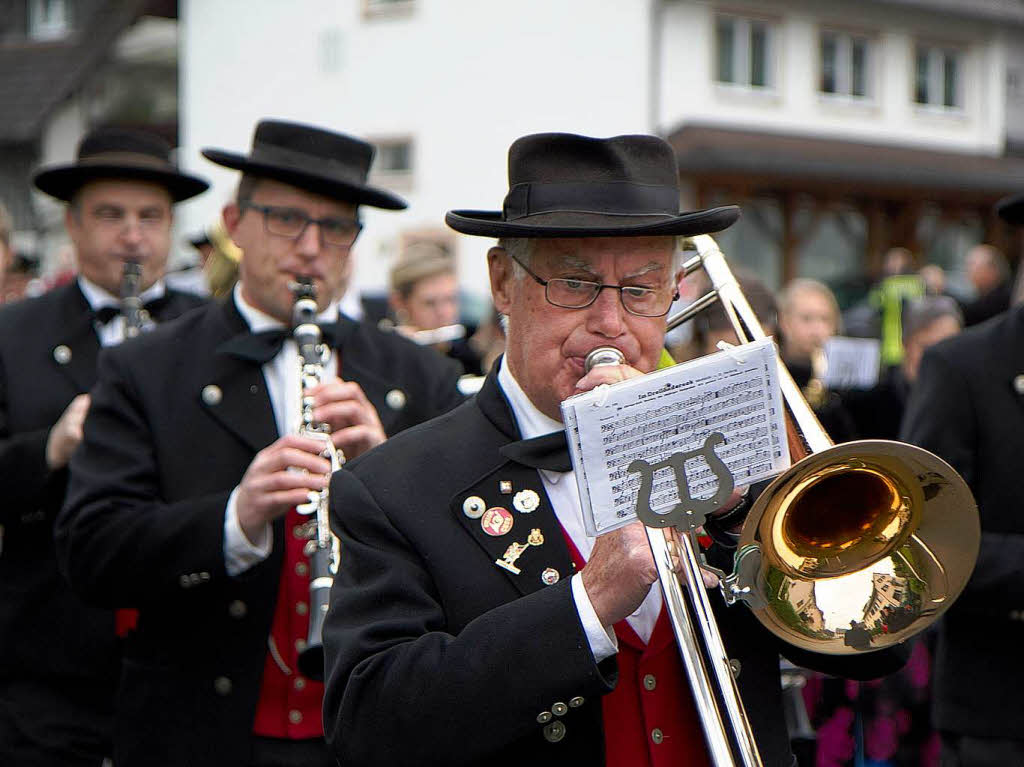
(579, 294)
(291, 223)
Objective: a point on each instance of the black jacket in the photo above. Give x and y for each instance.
(143, 523)
(967, 407)
(48, 351)
(436, 656)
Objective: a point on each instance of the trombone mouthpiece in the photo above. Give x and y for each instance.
(603, 355)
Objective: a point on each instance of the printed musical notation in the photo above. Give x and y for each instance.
(735, 392)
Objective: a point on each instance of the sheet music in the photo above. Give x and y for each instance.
(852, 362)
(735, 392)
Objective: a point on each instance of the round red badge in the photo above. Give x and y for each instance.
(496, 521)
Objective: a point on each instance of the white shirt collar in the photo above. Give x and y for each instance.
(98, 298)
(258, 320)
(531, 422)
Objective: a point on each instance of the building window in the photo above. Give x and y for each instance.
(938, 77)
(48, 19)
(744, 52)
(845, 65)
(374, 8)
(393, 163)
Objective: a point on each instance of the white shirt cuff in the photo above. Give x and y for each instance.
(239, 552)
(603, 642)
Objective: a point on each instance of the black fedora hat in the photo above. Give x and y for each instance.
(564, 185)
(119, 153)
(1011, 209)
(317, 160)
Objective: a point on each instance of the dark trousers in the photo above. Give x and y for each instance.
(280, 752)
(972, 751)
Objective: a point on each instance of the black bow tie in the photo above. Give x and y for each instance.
(549, 452)
(263, 346)
(105, 314)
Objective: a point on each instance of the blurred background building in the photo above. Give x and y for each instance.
(841, 128)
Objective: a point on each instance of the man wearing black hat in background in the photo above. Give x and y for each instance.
(967, 407)
(474, 622)
(59, 662)
(183, 493)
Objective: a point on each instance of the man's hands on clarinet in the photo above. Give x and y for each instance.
(284, 473)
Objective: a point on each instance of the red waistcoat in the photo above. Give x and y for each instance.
(649, 718)
(290, 704)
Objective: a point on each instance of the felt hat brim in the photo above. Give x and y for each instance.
(64, 181)
(581, 224)
(310, 180)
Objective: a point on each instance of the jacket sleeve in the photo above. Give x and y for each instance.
(118, 543)
(941, 417)
(401, 689)
(26, 482)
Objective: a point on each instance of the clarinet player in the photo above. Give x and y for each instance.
(182, 501)
(58, 668)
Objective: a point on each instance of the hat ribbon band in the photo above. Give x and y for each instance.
(612, 197)
(129, 159)
(277, 155)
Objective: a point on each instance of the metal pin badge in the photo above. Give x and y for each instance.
(496, 521)
(526, 501)
(515, 550)
(550, 576)
(505, 487)
(212, 395)
(62, 354)
(474, 507)
(396, 399)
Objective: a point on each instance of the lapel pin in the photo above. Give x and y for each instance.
(496, 521)
(62, 354)
(1018, 383)
(526, 501)
(212, 395)
(395, 399)
(505, 487)
(550, 576)
(515, 550)
(474, 507)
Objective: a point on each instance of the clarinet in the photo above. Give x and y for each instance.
(322, 547)
(135, 317)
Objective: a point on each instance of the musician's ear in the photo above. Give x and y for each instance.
(499, 267)
(231, 214)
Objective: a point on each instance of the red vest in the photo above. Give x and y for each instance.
(649, 718)
(290, 704)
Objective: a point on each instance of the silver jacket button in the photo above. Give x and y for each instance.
(222, 685)
(554, 732)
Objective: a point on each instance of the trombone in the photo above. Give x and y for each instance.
(873, 517)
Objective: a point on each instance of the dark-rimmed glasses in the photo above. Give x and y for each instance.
(291, 223)
(579, 294)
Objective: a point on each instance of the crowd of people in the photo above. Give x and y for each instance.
(156, 458)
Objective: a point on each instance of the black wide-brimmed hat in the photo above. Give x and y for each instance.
(1011, 209)
(564, 185)
(119, 153)
(317, 160)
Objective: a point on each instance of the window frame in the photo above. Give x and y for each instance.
(742, 58)
(844, 75)
(937, 55)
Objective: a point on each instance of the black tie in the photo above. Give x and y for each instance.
(105, 314)
(549, 452)
(263, 346)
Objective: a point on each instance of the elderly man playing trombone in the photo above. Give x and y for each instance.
(437, 653)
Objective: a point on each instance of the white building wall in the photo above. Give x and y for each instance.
(689, 92)
(462, 78)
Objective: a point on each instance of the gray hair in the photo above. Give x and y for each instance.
(922, 312)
